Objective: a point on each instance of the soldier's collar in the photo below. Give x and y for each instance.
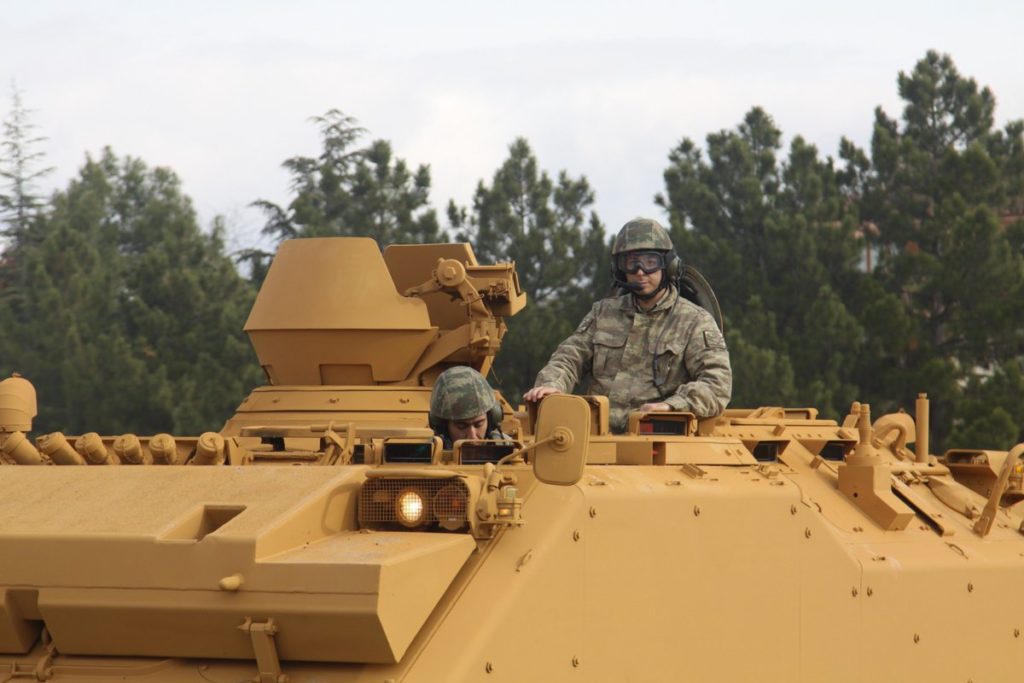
(666, 302)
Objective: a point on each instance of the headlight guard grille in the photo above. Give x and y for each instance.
(446, 501)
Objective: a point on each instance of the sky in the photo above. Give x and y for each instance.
(223, 92)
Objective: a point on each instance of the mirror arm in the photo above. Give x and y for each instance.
(561, 437)
(492, 471)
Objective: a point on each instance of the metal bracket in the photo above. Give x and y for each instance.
(43, 669)
(988, 515)
(933, 516)
(267, 662)
(339, 452)
(692, 471)
(870, 488)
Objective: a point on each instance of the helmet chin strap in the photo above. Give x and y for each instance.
(646, 297)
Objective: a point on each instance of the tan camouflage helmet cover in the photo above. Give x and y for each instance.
(461, 393)
(641, 234)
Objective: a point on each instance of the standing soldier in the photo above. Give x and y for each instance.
(649, 349)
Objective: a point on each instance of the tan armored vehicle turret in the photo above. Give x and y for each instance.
(325, 533)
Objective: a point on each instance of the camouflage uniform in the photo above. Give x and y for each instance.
(672, 353)
(462, 393)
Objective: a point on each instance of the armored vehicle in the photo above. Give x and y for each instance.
(325, 534)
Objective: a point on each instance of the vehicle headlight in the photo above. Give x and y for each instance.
(451, 506)
(415, 503)
(410, 508)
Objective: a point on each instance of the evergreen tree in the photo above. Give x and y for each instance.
(350, 190)
(939, 189)
(19, 168)
(557, 243)
(776, 240)
(991, 410)
(122, 312)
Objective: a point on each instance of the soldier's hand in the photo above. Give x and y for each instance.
(655, 407)
(537, 393)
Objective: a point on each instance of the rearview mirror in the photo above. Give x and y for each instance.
(562, 437)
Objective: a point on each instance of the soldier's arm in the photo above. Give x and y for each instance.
(572, 359)
(707, 360)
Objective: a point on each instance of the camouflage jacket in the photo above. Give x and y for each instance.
(673, 353)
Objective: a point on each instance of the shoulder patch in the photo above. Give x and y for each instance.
(713, 339)
(585, 324)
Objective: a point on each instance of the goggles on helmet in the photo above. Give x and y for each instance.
(633, 262)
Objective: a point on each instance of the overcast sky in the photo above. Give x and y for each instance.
(222, 92)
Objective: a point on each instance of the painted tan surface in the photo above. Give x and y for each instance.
(671, 558)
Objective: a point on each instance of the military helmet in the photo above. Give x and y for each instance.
(639, 235)
(461, 393)
(642, 234)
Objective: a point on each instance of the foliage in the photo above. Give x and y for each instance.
(936, 189)
(776, 240)
(121, 311)
(19, 168)
(557, 243)
(871, 276)
(894, 274)
(349, 190)
(991, 412)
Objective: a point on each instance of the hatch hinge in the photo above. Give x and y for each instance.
(933, 517)
(43, 669)
(267, 661)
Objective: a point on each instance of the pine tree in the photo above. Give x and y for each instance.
(20, 168)
(350, 190)
(943, 188)
(557, 243)
(776, 240)
(122, 312)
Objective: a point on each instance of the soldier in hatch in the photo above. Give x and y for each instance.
(463, 406)
(649, 349)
